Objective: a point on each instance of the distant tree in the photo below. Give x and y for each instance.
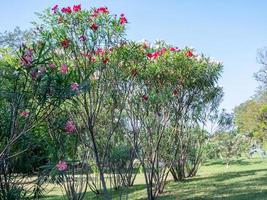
(14, 39)
(250, 118)
(220, 120)
(261, 75)
(229, 145)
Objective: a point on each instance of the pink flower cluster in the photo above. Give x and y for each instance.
(156, 54)
(175, 93)
(65, 43)
(95, 14)
(62, 166)
(74, 86)
(34, 74)
(26, 59)
(100, 10)
(105, 60)
(66, 10)
(145, 97)
(174, 49)
(94, 27)
(55, 8)
(24, 114)
(52, 65)
(104, 54)
(189, 54)
(64, 69)
(123, 19)
(75, 8)
(70, 126)
(82, 38)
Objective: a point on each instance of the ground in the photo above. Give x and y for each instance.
(244, 179)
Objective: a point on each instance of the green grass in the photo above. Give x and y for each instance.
(244, 179)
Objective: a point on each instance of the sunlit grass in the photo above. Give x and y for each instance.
(243, 179)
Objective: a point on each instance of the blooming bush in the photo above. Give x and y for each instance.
(28, 96)
(94, 90)
(84, 48)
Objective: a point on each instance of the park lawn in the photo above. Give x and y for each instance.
(244, 179)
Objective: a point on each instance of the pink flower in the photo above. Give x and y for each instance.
(156, 54)
(76, 8)
(52, 66)
(123, 19)
(172, 49)
(70, 127)
(66, 10)
(64, 69)
(33, 74)
(94, 15)
(26, 59)
(163, 50)
(175, 93)
(24, 114)
(102, 10)
(189, 54)
(93, 59)
(74, 86)
(55, 8)
(99, 51)
(86, 55)
(176, 49)
(145, 97)
(62, 165)
(82, 38)
(105, 61)
(65, 43)
(94, 27)
(149, 55)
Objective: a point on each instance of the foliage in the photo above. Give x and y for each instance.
(250, 118)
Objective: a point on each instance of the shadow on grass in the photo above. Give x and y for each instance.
(115, 194)
(229, 185)
(242, 184)
(234, 162)
(208, 188)
(225, 176)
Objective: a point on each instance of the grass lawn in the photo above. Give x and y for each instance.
(244, 179)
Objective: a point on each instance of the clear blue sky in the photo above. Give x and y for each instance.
(229, 30)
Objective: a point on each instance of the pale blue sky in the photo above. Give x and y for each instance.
(228, 30)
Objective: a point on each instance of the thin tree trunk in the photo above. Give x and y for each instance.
(101, 173)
